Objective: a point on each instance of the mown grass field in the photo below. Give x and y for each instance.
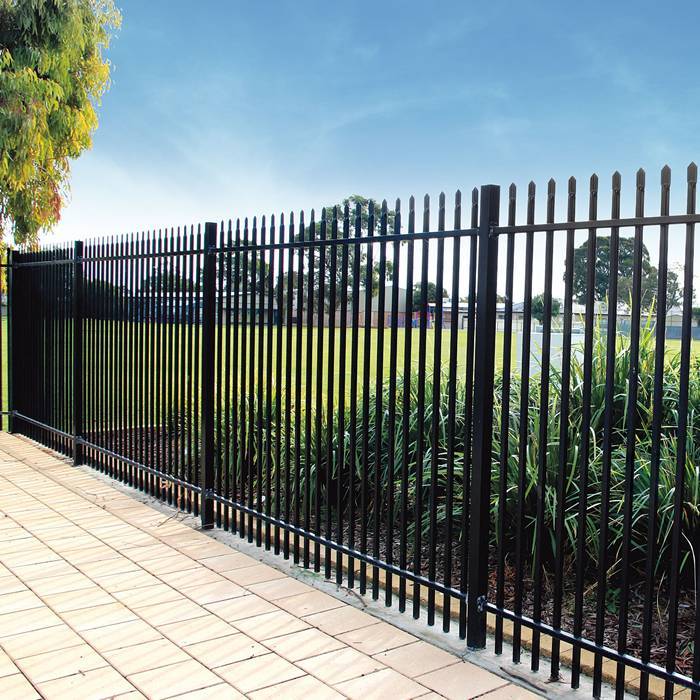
(106, 329)
(672, 348)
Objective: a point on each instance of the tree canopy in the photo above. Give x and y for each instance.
(432, 294)
(674, 293)
(352, 202)
(52, 74)
(538, 307)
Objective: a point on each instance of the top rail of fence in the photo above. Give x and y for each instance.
(243, 246)
(630, 222)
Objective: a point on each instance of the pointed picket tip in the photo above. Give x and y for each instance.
(594, 182)
(412, 203)
(572, 185)
(397, 206)
(692, 172)
(313, 214)
(551, 186)
(291, 218)
(665, 175)
(616, 181)
(475, 195)
(384, 206)
(323, 213)
(458, 195)
(531, 188)
(512, 191)
(641, 178)
(272, 220)
(441, 199)
(426, 200)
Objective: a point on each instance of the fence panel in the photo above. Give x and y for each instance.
(324, 439)
(42, 349)
(594, 460)
(366, 394)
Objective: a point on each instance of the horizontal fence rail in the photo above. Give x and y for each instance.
(486, 422)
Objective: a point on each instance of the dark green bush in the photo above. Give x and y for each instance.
(390, 474)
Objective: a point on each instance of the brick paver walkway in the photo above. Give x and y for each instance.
(105, 597)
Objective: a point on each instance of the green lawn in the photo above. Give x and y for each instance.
(673, 346)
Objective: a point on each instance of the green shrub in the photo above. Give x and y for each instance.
(390, 474)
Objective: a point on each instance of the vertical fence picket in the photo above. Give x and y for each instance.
(505, 419)
(435, 418)
(468, 415)
(523, 425)
(331, 457)
(259, 406)
(393, 383)
(208, 376)
(298, 398)
(245, 399)
(563, 432)
(270, 466)
(219, 371)
(281, 387)
(12, 340)
(189, 370)
(288, 387)
(631, 435)
(318, 401)
(308, 386)
(251, 462)
(420, 424)
(585, 431)
(682, 432)
(229, 352)
(78, 393)
(377, 495)
(406, 403)
(341, 503)
(122, 444)
(608, 438)
(542, 440)
(451, 412)
(356, 252)
(366, 350)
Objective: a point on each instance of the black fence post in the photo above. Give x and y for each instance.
(479, 513)
(10, 343)
(77, 352)
(206, 477)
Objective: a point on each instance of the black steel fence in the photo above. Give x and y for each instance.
(336, 390)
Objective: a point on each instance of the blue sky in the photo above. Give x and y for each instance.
(224, 108)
